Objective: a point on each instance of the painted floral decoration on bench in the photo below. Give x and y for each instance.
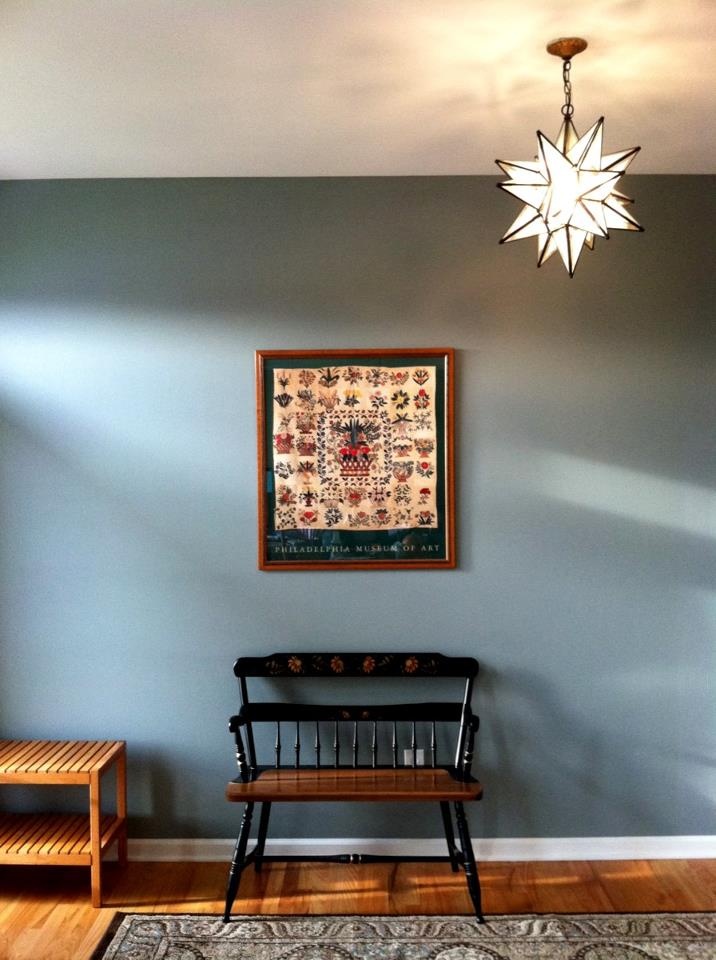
(293, 665)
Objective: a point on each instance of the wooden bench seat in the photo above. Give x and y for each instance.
(355, 752)
(388, 785)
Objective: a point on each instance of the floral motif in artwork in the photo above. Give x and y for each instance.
(354, 447)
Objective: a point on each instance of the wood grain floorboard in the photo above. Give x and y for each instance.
(45, 913)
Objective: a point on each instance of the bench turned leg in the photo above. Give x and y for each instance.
(263, 830)
(449, 834)
(238, 863)
(471, 875)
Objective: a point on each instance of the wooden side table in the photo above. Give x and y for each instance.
(65, 839)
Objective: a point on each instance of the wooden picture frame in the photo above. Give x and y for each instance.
(355, 459)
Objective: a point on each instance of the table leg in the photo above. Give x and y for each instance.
(122, 807)
(95, 791)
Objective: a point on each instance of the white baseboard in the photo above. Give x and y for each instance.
(503, 848)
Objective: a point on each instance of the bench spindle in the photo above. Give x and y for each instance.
(318, 745)
(297, 745)
(433, 745)
(374, 747)
(355, 744)
(277, 747)
(395, 744)
(336, 745)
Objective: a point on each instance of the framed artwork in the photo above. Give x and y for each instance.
(355, 459)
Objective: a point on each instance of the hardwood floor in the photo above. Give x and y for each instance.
(45, 912)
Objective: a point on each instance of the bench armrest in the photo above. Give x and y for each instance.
(235, 724)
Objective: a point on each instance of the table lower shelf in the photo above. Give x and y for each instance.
(52, 838)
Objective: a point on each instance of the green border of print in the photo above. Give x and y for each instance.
(406, 547)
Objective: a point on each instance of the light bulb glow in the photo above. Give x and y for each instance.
(568, 193)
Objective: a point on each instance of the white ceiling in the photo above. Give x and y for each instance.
(169, 88)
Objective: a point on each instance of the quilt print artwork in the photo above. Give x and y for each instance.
(354, 447)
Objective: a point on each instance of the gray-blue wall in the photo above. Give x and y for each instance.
(586, 514)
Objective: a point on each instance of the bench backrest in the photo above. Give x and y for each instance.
(317, 734)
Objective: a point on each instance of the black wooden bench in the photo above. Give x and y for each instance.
(356, 752)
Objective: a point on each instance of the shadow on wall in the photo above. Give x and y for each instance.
(322, 249)
(160, 791)
(622, 492)
(547, 745)
(416, 251)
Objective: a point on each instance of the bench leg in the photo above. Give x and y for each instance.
(449, 834)
(238, 863)
(263, 830)
(468, 856)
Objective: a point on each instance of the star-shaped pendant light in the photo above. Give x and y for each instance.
(569, 191)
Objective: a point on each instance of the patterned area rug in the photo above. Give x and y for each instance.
(664, 936)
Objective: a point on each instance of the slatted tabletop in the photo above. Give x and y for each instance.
(55, 761)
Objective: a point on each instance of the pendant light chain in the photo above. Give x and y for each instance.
(567, 108)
